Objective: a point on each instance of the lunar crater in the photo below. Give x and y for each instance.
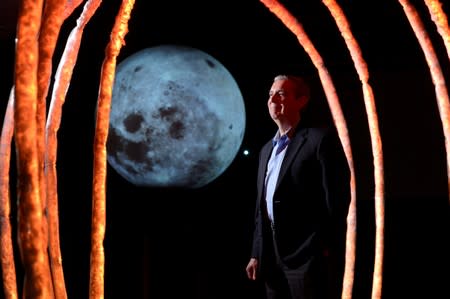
(210, 63)
(133, 122)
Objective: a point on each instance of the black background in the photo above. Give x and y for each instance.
(167, 243)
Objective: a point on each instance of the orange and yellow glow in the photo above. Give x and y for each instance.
(6, 245)
(62, 82)
(436, 74)
(363, 73)
(118, 33)
(377, 152)
(440, 19)
(31, 232)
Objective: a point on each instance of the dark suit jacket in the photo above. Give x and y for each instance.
(311, 198)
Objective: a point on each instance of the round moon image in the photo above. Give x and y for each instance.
(177, 118)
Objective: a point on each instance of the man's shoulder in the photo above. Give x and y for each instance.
(320, 131)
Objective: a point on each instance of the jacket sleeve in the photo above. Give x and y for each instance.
(258, 223)
(336, 185)
(257, 235)
(335, 176)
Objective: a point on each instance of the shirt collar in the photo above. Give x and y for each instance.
(281, 138)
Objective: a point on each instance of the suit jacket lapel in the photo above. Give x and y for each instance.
(265, 156)
(295, 145)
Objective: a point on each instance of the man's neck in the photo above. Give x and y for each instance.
(284, 127)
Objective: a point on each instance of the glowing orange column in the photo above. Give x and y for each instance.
(377, 152)
(440, 19)
(118, 33)
(31, 234)
(436, 74)
(6, 247)
(48, 36)
(62, 82)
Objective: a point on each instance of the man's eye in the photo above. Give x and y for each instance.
(278, 93)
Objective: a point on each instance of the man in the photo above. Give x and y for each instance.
(303, 188)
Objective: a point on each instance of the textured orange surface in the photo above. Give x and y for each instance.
(6, 245)
(118, 33)
(440, 19)
(377, 153)
(31, 220)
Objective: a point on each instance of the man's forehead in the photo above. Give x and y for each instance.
(281, 85)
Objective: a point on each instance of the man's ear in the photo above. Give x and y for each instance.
(303, 101)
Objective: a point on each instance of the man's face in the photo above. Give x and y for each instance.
(283, 104)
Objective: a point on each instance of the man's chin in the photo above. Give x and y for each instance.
(278, 115)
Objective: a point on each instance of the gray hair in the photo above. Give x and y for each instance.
(301, 87)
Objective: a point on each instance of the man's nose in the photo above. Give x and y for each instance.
(274, 98)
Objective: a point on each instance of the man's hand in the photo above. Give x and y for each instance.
(252, 268)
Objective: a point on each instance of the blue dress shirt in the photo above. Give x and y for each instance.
(280, 144)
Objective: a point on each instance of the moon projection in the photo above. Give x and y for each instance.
(177, 118)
